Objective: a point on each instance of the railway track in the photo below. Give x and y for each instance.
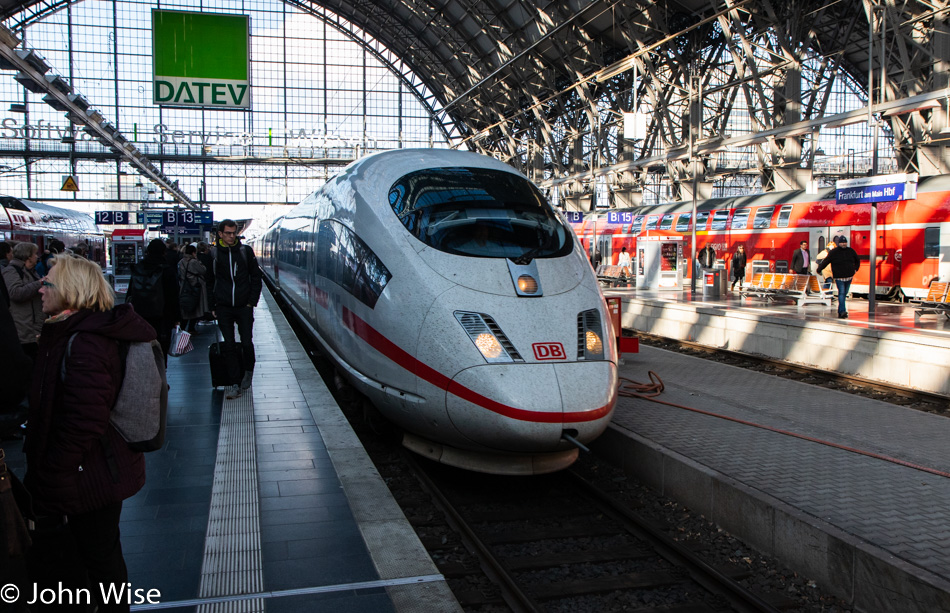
(560, 543)
(908, 397)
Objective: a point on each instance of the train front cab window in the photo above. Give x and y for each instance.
(479, 212)
(932, 242)
(784, 214)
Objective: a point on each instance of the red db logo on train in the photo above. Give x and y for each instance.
(549, 351)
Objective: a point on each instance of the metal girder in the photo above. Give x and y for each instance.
(541, 83)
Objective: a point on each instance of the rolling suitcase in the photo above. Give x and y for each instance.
(227, 365)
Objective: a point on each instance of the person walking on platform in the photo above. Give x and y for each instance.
(800, 259)
(79, 469)
(738, 267)
(844, 264)
(827, 277)
(238, 281)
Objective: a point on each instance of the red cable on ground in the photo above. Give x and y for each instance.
(648, 391)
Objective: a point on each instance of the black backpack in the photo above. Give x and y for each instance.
(147, 291)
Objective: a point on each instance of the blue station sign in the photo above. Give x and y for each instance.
(885, 188)
(110, 218)
(574, 216)
(184, 220)
(620, 217)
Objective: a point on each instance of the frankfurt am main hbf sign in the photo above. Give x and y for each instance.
(201, 59)
(884, 188)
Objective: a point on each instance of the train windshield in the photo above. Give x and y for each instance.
(479, 212)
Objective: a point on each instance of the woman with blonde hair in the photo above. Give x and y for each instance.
(79, 468)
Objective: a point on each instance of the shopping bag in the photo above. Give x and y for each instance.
(181, 342)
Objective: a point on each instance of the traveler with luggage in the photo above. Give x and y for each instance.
(238, 281)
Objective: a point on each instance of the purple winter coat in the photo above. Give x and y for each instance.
(67, 469)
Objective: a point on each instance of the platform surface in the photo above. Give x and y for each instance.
(896, 514)
(267, 501)
(887, 316)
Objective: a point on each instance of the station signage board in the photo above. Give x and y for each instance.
(620, 217)
(574, 216)
(110, 218)
(884, 188)
(201, 59)
(184, 220)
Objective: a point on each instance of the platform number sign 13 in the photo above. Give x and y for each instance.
(180, 218)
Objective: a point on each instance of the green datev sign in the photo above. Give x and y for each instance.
(201, 59)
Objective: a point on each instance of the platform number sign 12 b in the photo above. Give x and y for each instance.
(107, 218)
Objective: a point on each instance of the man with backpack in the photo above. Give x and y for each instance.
(238, 281)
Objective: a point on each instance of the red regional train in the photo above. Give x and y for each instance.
(35, 222)
(913, 236)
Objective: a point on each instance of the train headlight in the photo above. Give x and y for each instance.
(527, 284)
(590, 335)
(490, 341)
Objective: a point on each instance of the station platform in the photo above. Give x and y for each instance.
(874, 529)
(268, 501)
(889, 346)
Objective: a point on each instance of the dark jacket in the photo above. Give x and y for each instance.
(844, 262)
(798, 262)
(238, 279)
(68, 437)
(738, 264)
(707, 257)
(168, 311)
(15, 365)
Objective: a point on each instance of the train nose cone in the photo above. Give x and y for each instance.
(527, 407)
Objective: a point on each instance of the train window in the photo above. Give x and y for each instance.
(784, 214)
(479, 212)
(682, 223)
(931, 242)
(763, 217)
(701, 220)
(342, 257)
(740, 220)
(666, 222)
(719, 220)
(637, 224)
(651, 222)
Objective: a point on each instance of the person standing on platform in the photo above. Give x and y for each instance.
(800, 259)
(827, 278)
(153, 291)
(738, 267)
(844, 264)
(238, 281)
(23, 286)
(6, 254)
(79, 469)
(193, 296)
(707, 257)
(624, 261)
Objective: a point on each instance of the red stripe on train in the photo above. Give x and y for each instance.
(399, 356)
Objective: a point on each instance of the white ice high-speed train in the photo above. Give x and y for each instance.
(448, 291)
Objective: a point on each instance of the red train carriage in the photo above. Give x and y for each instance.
(913, 242)
(35, 222)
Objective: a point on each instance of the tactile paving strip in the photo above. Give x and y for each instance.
(232, 558)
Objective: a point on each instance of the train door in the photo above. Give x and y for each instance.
(817, 239)
(605, 248)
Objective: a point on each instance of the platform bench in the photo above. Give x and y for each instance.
(935, 302)
(612, 276)
(802, 289)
